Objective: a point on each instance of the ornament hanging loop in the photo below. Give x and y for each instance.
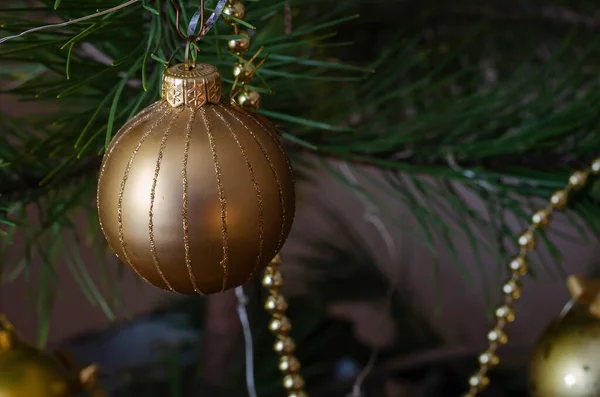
(189, 47)
(195, 33)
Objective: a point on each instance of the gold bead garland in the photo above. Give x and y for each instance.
(518, 267)
(272, 280)
(281, 327)
(243, 71)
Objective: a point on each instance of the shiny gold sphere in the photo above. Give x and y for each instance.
(273, 280)
(195, 195)
(284, 345)
(247, 99)
(297, 393)
(289, 364)
(519, 266)
(243, 72)
(566, 359)
(512, 288)
(497, 335)
(479, 382)
(293, 382)
(541, 218)
(578, 179)
(234, 9)
(489, 359)
(559, 199)
(241, 45)
(276, 304)
(595, 167)
(280, 324)
(31, 373)
(505, 313)
(527, 240)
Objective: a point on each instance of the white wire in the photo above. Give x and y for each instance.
(243, 315)
(71, 22)
(371, 215)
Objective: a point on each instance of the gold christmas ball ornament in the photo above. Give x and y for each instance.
(565, 361)
(194, 194)
(32, 374)
(26, 371)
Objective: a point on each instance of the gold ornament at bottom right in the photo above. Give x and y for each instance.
(565, 362)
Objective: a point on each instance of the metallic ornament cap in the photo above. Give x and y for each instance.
(194, 88)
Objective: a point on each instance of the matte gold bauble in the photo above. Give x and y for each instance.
(566, 360)
(28, 372)
(194, 194)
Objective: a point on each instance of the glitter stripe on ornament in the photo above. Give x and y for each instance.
(261, 215)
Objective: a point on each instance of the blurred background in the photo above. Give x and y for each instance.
(423, 135)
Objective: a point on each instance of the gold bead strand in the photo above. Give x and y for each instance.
(281, 326)
(243, 71)
(518, 268)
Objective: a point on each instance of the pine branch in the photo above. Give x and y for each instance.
(512, 100)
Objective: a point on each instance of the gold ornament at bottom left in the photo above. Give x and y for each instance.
(26, 371)
(565, 361)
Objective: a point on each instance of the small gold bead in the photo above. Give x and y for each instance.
(276, 261)
(596, 166)
(293, 382)
(527, 240)
(512, 289)
(479, 381)
(272, 280)
(248, 100)
(243, 72)
(559, 199)
(578, 179)
(234, 9)
(505, 313)
(280, 324)
(271, 268)
(497, 335)
(284, 345)
(489, 358)
(276, 304)
(241, 45)
(518, 266)
(297, 393)
(541, 218)
(289, 364)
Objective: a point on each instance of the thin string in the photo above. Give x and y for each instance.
(243, 315)
(567, 308)
(71, 22)
(371, 215)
